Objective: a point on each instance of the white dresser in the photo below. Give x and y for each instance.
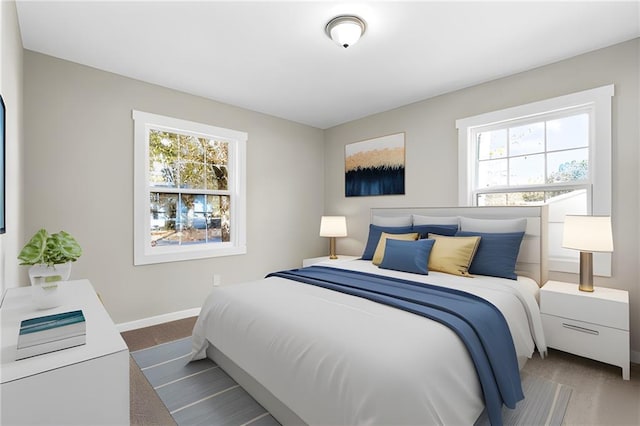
(83, 385)
(594, 325)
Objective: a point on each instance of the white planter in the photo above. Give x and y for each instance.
(45, 295)
(44, 290)
(63, 270)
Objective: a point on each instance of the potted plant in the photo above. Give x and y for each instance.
(50, 256)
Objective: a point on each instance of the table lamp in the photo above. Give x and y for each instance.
(332, 227)
(588, 234)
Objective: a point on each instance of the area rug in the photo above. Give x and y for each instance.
(545, 403)
(201, 393)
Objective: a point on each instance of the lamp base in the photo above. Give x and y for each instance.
(332, 248)
(586, 271)
(586, 288)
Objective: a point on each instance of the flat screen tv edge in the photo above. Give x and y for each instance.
(3, 134)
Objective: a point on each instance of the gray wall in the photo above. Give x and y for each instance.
(432, 152)
(79, 177)
(79, 165)
(11, 89)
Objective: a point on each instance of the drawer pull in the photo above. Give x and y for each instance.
(580, 329)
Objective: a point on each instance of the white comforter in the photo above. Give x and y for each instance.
(336, 359)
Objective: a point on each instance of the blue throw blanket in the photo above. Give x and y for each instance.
(478, 323)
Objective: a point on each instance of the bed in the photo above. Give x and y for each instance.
(313, 355)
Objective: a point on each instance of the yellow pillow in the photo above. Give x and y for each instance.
(452, 255)
(382, 242)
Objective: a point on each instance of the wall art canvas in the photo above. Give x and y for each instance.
(375, 166)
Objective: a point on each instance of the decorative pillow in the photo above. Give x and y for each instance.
(497, 253)
(374, 236)
(493, 225)
(391, 221)
(452, 255)
(435, 220)
(424, 230)
(407, 256)
(379, 254)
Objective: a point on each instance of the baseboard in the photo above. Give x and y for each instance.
(158, 319)
(635, 357)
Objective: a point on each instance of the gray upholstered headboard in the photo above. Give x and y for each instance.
(532, 259)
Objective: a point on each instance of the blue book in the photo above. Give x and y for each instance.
(49, 322)
(50, 328)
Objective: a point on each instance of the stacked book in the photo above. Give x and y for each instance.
(51, 333)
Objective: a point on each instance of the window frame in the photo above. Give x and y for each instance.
(144, 253)
(597, 102)
(541, 187)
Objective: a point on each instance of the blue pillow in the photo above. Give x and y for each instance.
(497, 253)
(446, 230)
(407, 256)
(375, 232)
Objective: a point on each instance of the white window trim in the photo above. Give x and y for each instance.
(599, 99)
(144, 253)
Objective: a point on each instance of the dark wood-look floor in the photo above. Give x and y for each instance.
(146, 406)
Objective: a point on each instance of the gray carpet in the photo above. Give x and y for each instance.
(201, 393)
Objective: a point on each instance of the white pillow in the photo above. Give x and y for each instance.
(391, 220)
(493, 225)
(434, 220)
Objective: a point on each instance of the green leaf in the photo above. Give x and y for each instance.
(62, 248)
(51, 249)
(33, 252)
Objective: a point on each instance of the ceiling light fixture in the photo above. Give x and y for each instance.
(345, 30)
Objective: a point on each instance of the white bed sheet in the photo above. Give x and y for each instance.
(336, 359)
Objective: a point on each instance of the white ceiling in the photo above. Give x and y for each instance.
(274, 57)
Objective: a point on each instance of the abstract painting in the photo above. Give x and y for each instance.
(375, 166)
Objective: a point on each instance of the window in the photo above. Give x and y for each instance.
(556, 151)
(531, 161)
(189, 190)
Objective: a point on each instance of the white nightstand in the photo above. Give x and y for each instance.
(326, 261)
(594, 325)
(87, 384)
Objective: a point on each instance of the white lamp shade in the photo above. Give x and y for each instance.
(333, 226)
(588, 233)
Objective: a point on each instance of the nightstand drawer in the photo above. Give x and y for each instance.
(607, 307)
(593, 341)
